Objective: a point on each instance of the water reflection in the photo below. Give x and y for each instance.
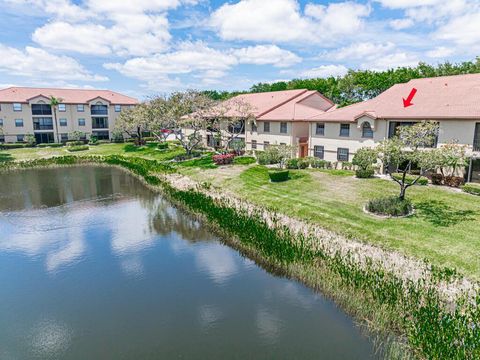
(93, 265)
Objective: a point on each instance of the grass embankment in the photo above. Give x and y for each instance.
(415, 309)
(444, 228)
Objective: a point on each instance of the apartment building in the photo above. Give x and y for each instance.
(451, 101)
(27, 111)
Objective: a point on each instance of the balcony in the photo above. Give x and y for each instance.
(99, 110)
(41, 109)
(99, 123)
(43, 123)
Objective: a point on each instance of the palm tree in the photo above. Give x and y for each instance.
(54, 104)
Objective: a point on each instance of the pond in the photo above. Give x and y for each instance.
(94, 265)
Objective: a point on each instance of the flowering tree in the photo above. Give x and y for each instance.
(134, 122)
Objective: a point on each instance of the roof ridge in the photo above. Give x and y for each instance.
(282, 103)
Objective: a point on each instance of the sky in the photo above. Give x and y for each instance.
(149, 47)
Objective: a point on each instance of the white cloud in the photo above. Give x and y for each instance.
(36, 64)
(266, 54)
(462, 30)
(400, 24)
(324, 71)
(440, 52)
(405, 4)
(392, 61)
(282, 21)
(358, 51)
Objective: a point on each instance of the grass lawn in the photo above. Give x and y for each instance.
(443, 229)
(148, 151)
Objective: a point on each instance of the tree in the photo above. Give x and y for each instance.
(409, 147)
(365, 158)
(134, 122)
(54, 102)
(158, 117)
(188, 112)
(228, 120)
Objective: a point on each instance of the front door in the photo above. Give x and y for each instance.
(475, 171)
(303, 150)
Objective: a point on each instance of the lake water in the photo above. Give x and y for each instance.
(95, 266)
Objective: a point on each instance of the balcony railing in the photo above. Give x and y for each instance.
(42, 127)
(99, 110)
(99, 123)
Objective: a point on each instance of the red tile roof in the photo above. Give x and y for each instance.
(450, 97)
(68, 96)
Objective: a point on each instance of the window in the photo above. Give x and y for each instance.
(283, 127)
(20, 138)
(62, 107)
(320, 129)
(63, 122)
(342, 154)
(367, 131)
(118, 108)
(1, 122)
(80, 108)
(266, 144)
(63, 137)
(266, 126)
(254, 127)
(318, 151)
(2, 138)
(42, 123)
(41, 109)
(17, 107)
(101, 135)
(345, 130)
(254, 144)
(18, 122)
(81, 122)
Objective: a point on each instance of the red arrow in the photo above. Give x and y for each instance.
(408, 101)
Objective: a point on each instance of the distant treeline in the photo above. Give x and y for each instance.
(358, 85)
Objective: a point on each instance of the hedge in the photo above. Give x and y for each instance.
(6, 146)
(278, 175)
(471, 188)
(78, 148)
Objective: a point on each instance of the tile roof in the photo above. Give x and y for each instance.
(285, 105)
(68, 96)
(451, 97)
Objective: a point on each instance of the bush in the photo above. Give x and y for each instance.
(347, 165)
(162, 145)
(262, 158)
(390, 206)
(93, 140)
(244, 160)
(75, 143)
(365, 173)
(278, 175)
(437, 179)
(103, 142)
(223, 159)
(78, 148)
(192, 155)
(319, 163)
(6, 146)
(292, 163)
(454, 181)
(471, 188)
(303, 163)
(43, 145)
(411, 178)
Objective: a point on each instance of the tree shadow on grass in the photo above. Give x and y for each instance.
(5, 157)
(440, 214)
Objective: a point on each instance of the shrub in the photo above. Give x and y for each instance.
(75, 143)
(262, 158)
(292, 163)
(162, 145)
(103, 142)
(244, 160)
(347, 165)
(77, 148)
(390, 206)
(303, 163)
(364, 173)
(471, 188)
(319, 163)
(43, 145)
(223, 159)
(409, 179)
(6, 146)
(93, 140)
(454, 181)
(183, 157)
(278, 175)
(437, 179)
(365, 157)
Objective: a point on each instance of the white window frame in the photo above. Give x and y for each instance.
(84, 122)
(118, 108)
(80, 108)
(317, 149)
(64, 120)
(62, 107)
(19, 121)
(17, 107)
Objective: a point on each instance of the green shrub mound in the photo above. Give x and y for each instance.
(278, 175)
(409, 179)
(319, 163)
(471, 188)
(244, 160)
(437, 179)
(43, 145)
(75, 143)
(78, 148)
(390, 206)
(6, 146)
(162, 146)
(365, 173)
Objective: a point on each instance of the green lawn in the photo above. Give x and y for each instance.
(443, 229)
(149, 151)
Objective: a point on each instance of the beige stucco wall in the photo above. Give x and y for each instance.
(10, 131)
(274, 137)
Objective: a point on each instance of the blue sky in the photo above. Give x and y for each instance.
(145, 47)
